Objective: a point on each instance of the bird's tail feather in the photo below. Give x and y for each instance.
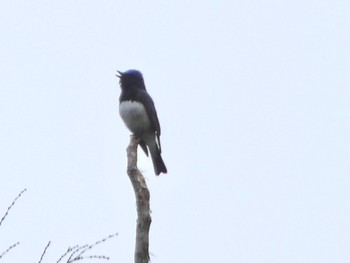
(158, 163)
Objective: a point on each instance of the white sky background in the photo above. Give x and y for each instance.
(253, 100)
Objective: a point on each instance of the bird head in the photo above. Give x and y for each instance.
(131, 78)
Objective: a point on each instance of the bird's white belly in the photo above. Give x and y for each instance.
(134, 116)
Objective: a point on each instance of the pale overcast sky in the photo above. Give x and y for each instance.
(253, 99)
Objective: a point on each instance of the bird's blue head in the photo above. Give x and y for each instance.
(131, 78)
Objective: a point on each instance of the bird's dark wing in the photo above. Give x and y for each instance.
(148, 103)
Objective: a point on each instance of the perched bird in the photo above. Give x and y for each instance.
(137, 110)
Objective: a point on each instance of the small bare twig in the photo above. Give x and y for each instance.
(74, 253)
(77, 252)
(142, 196)
(70, 249)
(9, 248)
(9, 208)
(42, 255)
(3, 219)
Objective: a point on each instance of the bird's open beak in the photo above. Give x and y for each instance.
(120, 74)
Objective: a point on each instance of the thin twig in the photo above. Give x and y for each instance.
(3, 219)
(7, 250)
(76, 253)
(67, 252)
(95, 244)
(42, 255)
(13, 203)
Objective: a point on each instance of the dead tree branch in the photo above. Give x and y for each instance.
(142, 196)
